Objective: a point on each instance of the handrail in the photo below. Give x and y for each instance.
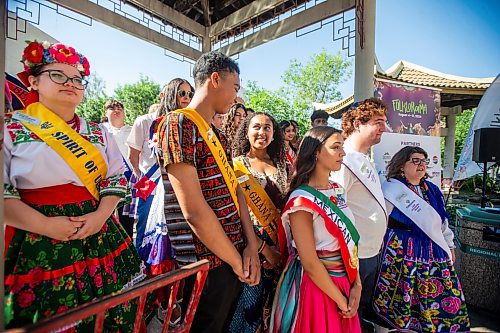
(97, 307)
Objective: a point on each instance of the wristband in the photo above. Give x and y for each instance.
(261, 247)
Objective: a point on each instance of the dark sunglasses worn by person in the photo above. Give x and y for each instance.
(183, 93)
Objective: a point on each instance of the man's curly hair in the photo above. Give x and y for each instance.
(276, 149)
(363, 112)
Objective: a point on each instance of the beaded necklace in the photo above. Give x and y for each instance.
(420, 190)
(75, 123)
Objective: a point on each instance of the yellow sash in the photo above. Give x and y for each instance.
(258, 200)
(85, 159)
(216, 149)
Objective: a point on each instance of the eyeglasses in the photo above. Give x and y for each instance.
(59, 77)
(183, 93)
(116, 108)
(418, 161)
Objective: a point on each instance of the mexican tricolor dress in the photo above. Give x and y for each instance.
(299, 304)
(44, 276)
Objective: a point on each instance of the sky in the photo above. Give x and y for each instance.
(451, 36)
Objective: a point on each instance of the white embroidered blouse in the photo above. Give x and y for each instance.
(29, 163)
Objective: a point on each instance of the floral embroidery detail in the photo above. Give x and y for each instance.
(58, 276)
(21, 134)
(418, 294)
(114, 185)
(451, 304)
(10, 192)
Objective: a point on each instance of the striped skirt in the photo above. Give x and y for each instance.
(300, 306)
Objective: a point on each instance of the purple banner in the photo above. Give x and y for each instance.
(412, 110)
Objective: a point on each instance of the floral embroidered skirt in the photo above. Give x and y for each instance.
(417, 287)
(44, 277)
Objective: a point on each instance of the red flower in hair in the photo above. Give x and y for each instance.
(64, 54)
(86, 66)
(33, 53)
(44, 53)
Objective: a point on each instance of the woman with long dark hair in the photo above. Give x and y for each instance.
(260, 163)
(232, 121)
(175, 95)
(152, 240)
(320, 288)
(418, 288)
(289, 131)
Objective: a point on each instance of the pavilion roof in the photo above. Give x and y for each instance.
(405, 71)
(213, 12)
(455, 90)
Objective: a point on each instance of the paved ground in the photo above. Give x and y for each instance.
(483, 321)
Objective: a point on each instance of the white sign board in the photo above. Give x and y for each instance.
(391, 143)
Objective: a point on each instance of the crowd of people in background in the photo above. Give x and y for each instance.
(300, 233)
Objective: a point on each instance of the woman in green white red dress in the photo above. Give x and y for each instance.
(320, 287)
(63, 177)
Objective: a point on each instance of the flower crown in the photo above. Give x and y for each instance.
(36, 54)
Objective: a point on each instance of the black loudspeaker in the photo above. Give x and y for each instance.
(486, 145)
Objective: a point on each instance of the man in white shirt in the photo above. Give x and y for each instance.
(146, 171)
(363, 126)
(115, 114)
(140, 154)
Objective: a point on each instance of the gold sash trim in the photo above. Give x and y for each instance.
(83, 158)
(216, 149)
(258, 200)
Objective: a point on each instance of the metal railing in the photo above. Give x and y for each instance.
(99, 306)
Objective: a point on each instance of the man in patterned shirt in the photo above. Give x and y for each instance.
(202, 212)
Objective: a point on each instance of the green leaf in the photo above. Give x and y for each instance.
(41, 256)
(315, 81)
(74, 252)
(138, 97)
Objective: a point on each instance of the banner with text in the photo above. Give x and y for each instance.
(412, 110)
(391, 143)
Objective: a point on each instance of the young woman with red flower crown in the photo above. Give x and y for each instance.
(63, 177)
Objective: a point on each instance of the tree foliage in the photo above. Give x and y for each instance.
(138, 97)
(317, 80)
(462, 128)
(274, 102)
(94, 98)
(303, 84)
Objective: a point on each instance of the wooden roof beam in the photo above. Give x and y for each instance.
(206, 12)
(157, 8)
(300, 20)
(128, 26)
(254, 9)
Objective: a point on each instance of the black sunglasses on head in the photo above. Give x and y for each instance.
(183, 93)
